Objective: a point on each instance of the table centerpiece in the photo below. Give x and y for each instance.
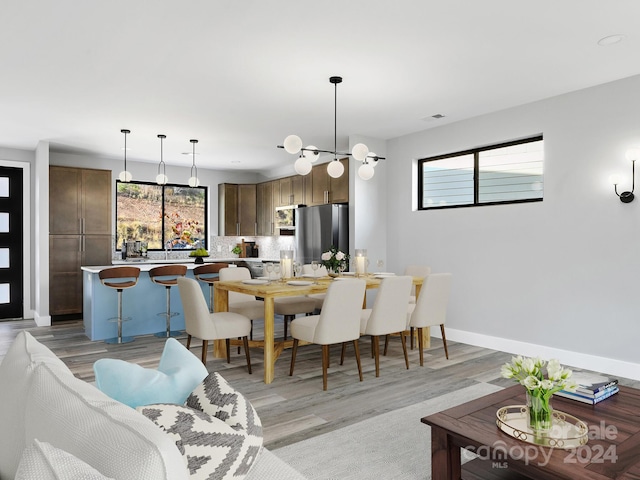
(335, 261)
(541, 379)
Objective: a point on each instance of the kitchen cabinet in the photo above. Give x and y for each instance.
(237, 213)
(292, 190)
(265, 208)
(79, 232)
(325, 189)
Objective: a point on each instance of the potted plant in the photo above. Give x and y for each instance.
(199, 254)
(237, 250)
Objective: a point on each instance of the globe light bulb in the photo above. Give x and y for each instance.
(194, 182)
(125, 176)
(615, 179)
(372, 159)
(292, 144)
(161, 179)
(303, 166)
(366, 171)
(360, 151)
(335, 169)
(311, 155)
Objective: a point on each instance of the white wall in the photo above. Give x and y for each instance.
(559, 275)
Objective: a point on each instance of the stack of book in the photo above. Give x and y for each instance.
(591, 388)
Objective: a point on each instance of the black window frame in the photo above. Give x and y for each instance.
(203, 244)
(476, 156)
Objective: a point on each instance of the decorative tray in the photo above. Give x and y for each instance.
(567, 431)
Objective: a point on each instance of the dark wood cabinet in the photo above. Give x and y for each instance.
(292, 190)
(265, 208)
(237, 213)
(79, 232)
(325, 189)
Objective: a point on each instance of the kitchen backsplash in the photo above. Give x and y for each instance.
(220, 247)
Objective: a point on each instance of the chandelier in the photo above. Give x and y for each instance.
(309, 154)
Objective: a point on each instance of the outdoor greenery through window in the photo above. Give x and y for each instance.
(506, 173)
(164, 216)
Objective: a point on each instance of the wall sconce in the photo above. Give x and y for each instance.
(627, 197)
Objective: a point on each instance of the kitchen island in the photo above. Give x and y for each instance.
(143, 305)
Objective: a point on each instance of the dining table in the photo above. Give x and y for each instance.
(269, 290)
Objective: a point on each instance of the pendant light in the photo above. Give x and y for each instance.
(193, 180)
(161, 178)
(125, 176)
(308, 155)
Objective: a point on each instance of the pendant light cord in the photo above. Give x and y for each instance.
(335, 121)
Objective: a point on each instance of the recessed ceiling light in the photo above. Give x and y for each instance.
(611, 40)
(235, 161)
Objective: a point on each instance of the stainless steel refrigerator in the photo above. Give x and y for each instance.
(318, 228)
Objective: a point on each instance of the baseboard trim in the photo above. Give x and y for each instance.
(605, 365)
(42, 320)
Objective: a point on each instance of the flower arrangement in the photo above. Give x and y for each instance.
(335, 260)
(541, 379)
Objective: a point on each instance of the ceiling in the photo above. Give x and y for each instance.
(239, 76)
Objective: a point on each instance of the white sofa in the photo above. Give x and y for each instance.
(40, 399)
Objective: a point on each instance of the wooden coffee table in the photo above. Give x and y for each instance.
(612, 450)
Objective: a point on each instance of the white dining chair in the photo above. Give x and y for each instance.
(416, 271)
(431, 308)
(338, 322)
(201, 323)
(388, 315)
(307, 271)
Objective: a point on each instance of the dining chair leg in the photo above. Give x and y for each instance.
(325, 365)
(375, 340)
(294, 351)
(444, 340)
(404, 349)
(227, 343)
(356, 347)
(420, 346)
(411, 330)
(386, 344)
(250, 336)
(245, 341)
(344, 348)
(205, 347)
(188, 341)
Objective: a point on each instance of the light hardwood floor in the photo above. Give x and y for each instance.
(296, 408)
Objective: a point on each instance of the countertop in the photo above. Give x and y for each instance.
(146, 265)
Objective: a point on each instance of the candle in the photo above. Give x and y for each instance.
(286, 263)
(361, 262)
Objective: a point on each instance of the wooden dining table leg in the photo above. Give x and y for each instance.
(221, 304)
(269, 348)
(426, 332)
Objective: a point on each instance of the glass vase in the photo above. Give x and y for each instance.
(539, 413)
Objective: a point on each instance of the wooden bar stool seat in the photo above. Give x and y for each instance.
(167, 276)
(119, 278)
(207, 274)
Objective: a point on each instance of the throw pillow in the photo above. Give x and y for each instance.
(177, 375)
(43, 461)
(213, 450)
(216, 397)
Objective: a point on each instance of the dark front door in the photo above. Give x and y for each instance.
(11, 249)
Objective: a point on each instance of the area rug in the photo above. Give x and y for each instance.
(391, 446)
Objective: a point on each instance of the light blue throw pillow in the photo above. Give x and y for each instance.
(178, 374)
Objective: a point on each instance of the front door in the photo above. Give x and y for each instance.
(11, 243)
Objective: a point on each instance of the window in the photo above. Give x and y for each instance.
(158, 214)
(506, 173)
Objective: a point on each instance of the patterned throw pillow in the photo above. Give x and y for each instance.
(216, 397)
(213, 450)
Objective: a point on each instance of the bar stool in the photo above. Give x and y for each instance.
(168, 278)
(205, 273)
(119, 278)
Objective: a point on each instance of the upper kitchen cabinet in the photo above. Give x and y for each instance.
(292, 190)
(80, 201)
(326, 189)
(237, 213)
(265, 208)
